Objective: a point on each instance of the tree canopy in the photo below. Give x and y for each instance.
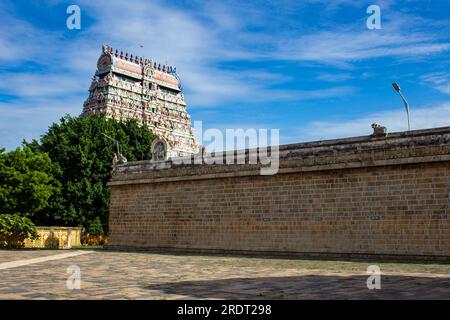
(84, 159)
(62, 179)
(26, 182)
(14, 229)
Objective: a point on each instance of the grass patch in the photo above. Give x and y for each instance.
(87, 246)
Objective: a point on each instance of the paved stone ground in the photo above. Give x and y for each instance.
(126, 275)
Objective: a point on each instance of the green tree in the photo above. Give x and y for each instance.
(84, 157)
(26, 182)
(95, 227)
(14, 229)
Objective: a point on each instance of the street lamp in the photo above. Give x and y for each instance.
(121, 157)
(399, 91)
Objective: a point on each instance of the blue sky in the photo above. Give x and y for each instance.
(310, 68)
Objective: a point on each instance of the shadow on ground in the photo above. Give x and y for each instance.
(309, 287)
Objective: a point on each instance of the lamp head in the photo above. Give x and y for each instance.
(396, 87)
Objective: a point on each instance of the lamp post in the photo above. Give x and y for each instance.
(121, 157)
(399, 91)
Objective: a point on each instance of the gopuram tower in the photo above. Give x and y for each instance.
(127, 86)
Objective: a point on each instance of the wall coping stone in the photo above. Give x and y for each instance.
(418, 146)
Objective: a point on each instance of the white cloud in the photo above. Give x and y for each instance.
(334, 77)
(207, 89)
(439, 81)
(402, 36)
(346, 46)
(338, 4)
(34, 85)
(29, 119)
(20, 41)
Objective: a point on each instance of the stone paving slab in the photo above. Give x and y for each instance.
(9, 255)
(27, 261)
(127, 275)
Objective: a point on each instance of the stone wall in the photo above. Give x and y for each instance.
(357, 196)
(55, 237)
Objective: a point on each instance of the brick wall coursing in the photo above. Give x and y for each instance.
(399, 209)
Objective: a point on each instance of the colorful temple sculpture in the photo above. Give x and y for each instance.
(127, 86)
